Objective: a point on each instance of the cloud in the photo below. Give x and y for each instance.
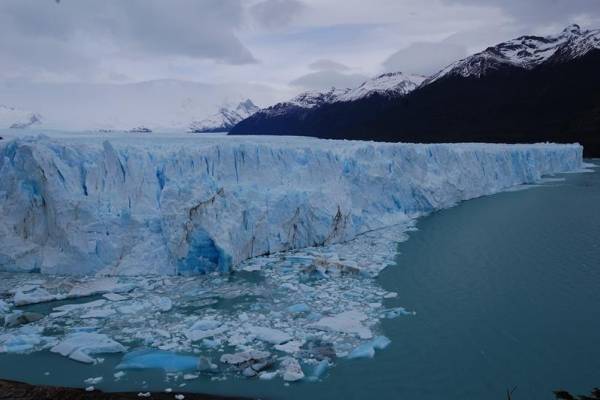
(74, 37)
(539, 11)
(324, 65)
(322, 80)
(276, 13)
(424, 58)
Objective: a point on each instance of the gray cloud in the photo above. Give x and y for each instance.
(324, 65)
(322, 80)
(71, 36)
(276, 13)
(424, 57)
(540, 11)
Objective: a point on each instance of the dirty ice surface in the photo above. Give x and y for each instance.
(285, 316)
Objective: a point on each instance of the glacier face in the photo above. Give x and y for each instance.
(122, 205)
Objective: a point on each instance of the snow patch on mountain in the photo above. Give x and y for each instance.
(226, 118)
(525, 52)
(178, 205)
(15, 118)
(389, 85)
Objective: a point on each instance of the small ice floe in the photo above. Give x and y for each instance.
(144, 394)
(269, 335)
(114, 297)
(159, 359)
(101, 313)
(93, 381)
(118, 375)
(346, 322)
(19, 317)
(292, 347)
(89, 389)
(367, 349)
(320, 370)
(179, 397)
(20, 343)
(24, 297)
(81, 346)
(391, 313)
(164, 304)
(299, 308)
(244, 357)
(291, 370)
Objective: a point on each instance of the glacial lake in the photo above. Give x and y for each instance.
(506, 291)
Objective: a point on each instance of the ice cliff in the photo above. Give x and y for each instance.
(186, 205)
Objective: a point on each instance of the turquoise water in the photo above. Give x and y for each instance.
(506, 290)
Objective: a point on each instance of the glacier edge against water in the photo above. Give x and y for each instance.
(127, 207)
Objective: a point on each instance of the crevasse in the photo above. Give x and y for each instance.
(125, 206)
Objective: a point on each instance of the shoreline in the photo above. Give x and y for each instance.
(14, 390)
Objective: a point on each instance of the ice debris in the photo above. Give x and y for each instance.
(81, 346)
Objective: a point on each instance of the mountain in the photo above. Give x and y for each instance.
(226, 118)
(11, 117)
(529, 89)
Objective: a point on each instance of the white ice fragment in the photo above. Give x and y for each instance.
(114, 297)
(270, 335)
(118, 375)
(346, 322)
(244, 356)
(291, 370)
(205, 324)
(82, 345)
(144, 394)
(267, 376)
(38, 295)
(94, 381)
(179, 397)
(164, 304)
(291, 347)
(102, 313)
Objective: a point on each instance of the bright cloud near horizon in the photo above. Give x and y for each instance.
(284, 45)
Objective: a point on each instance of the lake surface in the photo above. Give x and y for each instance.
(506, 290)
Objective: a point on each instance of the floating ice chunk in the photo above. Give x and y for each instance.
(367, 349)
(102, 313)
(267, 376)
(38, 295)
(114, 297)
(291, 370)
(22, 343)
(144, 394)
(179, 397)
(299, 308)
(205, 324)
(396, 312)
(164, 304)
(119, 375)
(291, 347)
(81, 346)
(71, 307)
(320, 369)
(4, 307)
(19, 317)
(270, 335)
(346, 322)
(244, 356)
(94, 381)
(381, 342)
(158, 359)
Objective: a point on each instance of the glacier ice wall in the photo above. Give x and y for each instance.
(192, 205)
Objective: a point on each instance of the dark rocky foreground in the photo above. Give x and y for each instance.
(10, 390)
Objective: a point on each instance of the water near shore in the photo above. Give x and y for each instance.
(506, 294)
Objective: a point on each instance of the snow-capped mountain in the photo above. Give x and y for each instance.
(525, 52)
(11, 117)
(387, 85)
(226, 118)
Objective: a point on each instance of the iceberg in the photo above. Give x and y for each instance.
(80, 346)
(172, 205)
(157, 359)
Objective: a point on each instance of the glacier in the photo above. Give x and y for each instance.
(118, 204)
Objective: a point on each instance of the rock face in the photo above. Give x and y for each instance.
(526, 90)
(72, 206)
(225, 119)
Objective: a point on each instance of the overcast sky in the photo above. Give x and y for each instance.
(289, 45)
